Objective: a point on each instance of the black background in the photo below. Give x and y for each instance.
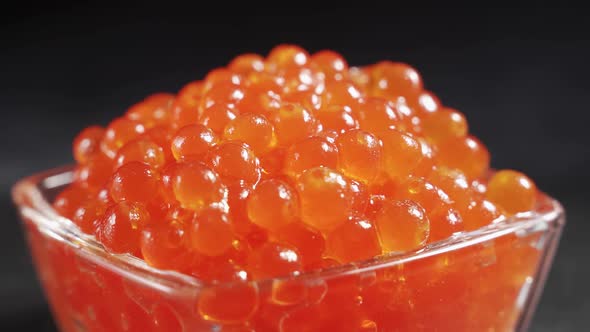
(519, 74)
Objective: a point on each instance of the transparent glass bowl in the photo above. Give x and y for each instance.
(485, 280)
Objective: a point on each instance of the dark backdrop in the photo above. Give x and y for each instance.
(519, 74)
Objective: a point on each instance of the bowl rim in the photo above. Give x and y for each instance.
(29, 196)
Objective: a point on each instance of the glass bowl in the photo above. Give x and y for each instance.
(485, 280)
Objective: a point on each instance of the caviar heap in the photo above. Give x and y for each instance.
(275, 166)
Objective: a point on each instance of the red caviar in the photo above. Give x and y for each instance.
(273, 204)
(192, 141)
(87, 143)
(143, 150)
(273, 166)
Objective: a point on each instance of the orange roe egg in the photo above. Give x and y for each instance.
(86, 215)
(285, 56)
(87, 143)
(166, 190)
(70, 199)
(337, 117)
(293, 123)
(161, 136)
(119, 229)
(135, 182)
(401, 153)
(273, 162)
(217, 116)
(360, 197)
(228, 304)
(454, 183)
(479, 187)
(428, 163)
(235, 162)
(161, 210)
(220, 76)
(141, 150)
(301, 79)
(480, 213)
(513, 191)
(273, 204)
(342, 93)
(444, 223)
(196, 186)
(402, 226)
(252, 129)
(264, 84)
(360, 76)
(292, 320)
(374, 204)
(222, 93)
(359, 155)
(247, 63)
(253, 234)
(408, 119)
(332, 64)
(153, 110)
(378, 115)
(425, 102)
(325, 198)
(238, 252)
(261, 95)
(95, 173)
(118, 133)
(192, 141)
(329, 135)
(185, 109)
(211, 233)
(164, 246)
(307, 99)
(353, 240)
(394, 79)
(368, 325)
(104, 196)
(444, 124)
(419, 190)
(274, 259)
(285, 292)
(309, 153)
(217, 269)
(309, 242)
(466, 154)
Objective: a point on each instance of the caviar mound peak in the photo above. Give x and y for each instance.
(280, 164)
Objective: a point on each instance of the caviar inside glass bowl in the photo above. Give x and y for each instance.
(289, 193)
(490, 278)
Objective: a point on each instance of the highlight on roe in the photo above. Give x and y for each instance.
(275, 166)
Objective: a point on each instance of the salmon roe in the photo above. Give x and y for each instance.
(273, 204)
(87, 143)
(402, 225)
(511, 190)
(273, 166)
